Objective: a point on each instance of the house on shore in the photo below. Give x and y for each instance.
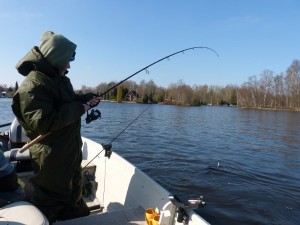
(131, 96)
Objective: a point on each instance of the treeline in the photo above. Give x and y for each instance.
(268, 91)
(176, 94)
(271, 91)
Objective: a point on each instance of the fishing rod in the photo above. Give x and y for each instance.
(96, 114)
(107, 147)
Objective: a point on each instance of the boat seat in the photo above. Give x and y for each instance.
(22, 213)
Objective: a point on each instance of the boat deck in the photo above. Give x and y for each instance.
(133, 216)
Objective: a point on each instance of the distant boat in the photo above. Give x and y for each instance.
(3, 94)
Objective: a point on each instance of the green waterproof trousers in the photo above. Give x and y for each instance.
(57, 185)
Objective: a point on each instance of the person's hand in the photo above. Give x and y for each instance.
(94, 102)
(86, 107)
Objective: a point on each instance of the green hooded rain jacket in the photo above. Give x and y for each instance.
(46, 103)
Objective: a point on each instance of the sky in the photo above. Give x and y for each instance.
(116, 38)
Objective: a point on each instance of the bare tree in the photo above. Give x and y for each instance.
(266, 87)
(293, 84)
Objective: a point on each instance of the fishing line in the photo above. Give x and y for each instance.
(130, 124)
(5, 125)
(108, 146)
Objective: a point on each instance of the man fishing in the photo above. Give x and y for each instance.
(45, 104)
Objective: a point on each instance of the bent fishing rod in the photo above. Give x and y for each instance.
(146, 67)
(95, 114)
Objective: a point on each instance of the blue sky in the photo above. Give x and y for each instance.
(116, 38)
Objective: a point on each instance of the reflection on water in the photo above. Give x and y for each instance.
(246, 163)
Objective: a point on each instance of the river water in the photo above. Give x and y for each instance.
(246, 163)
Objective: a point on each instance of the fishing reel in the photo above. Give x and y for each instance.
(93, 115)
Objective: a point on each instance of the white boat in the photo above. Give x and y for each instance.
(120, 194)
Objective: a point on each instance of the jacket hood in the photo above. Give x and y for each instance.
(35, 61)
(54, 53)
(57, 49)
